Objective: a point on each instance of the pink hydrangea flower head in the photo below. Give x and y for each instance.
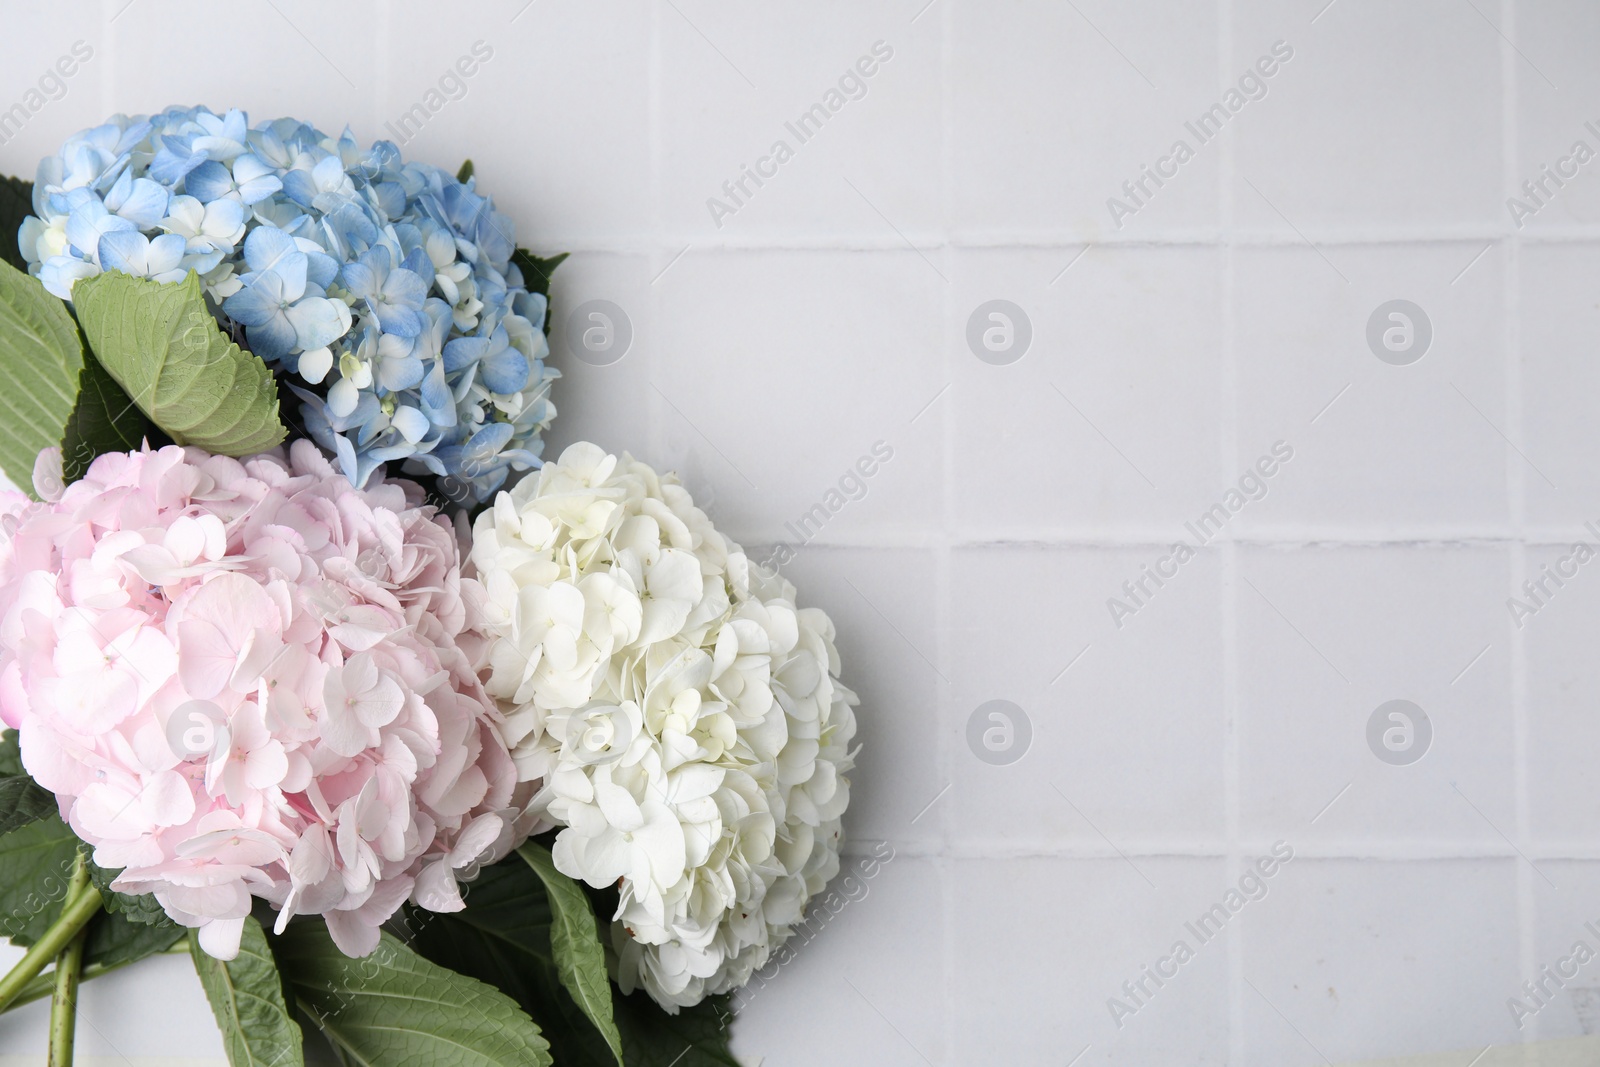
(248, 678)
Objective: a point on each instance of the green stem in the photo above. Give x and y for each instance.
(64, 1005)
(80, 908)
(44, 984)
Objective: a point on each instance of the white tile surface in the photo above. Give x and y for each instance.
(1228, 312)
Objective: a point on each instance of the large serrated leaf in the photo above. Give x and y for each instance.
(503, 937)
(246, 996)
(104, 420)
(36, 863)
(40, 360)
(394, 1007)
(115, 940)
(16, 204)
(575, 941)
(22, 801)
(161, 344)
(142, 908)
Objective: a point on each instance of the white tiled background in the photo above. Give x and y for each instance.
(830, 313)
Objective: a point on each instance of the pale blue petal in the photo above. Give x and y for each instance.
(437, 402)
(257, 303)
(411, 423)
(127, 251)
(209, 181)
(505, 372)
(487, 441)
(299, 187)
(321, 269)
(399, 373)
(266, 245)
(59, 273)
(165, 253)
(400, 321)
(464, 351)
(259, 189)
(85, 227)
(273, 339)
(146, 204)
(317, 322)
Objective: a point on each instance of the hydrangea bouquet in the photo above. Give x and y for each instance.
(311, 668)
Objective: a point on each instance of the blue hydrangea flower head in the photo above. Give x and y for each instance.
(382, 292)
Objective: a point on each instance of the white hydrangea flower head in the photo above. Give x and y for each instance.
(684, 716)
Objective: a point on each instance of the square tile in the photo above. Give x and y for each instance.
(1558, 995)
(1328, 638)
(1050, 944)
(1384, 115)
(1032, 87)
(1353, 959)
(786, 369)
(1556, 87)
(1120, 733)
(1096, 429)
(1563, 683)
(821, 121)
(1382, 446)
(1559, 317)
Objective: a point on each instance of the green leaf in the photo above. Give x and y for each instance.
(142, 908)
(396, 1007)
(104, 420)
(40, 361)
(465, 172)
(163, 347)
(695, 1037)
(114, 939)
(35, 869)
(23, 801)
(535, 271)
(16, 204)
(10, 754)
(246, 996)
(503, 937)
(575, 940)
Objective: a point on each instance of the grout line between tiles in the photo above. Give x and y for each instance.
(928, 241)
(655, 421)
(1419, 850)
(1516, 493)
(946, 718)
(1229, 446)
